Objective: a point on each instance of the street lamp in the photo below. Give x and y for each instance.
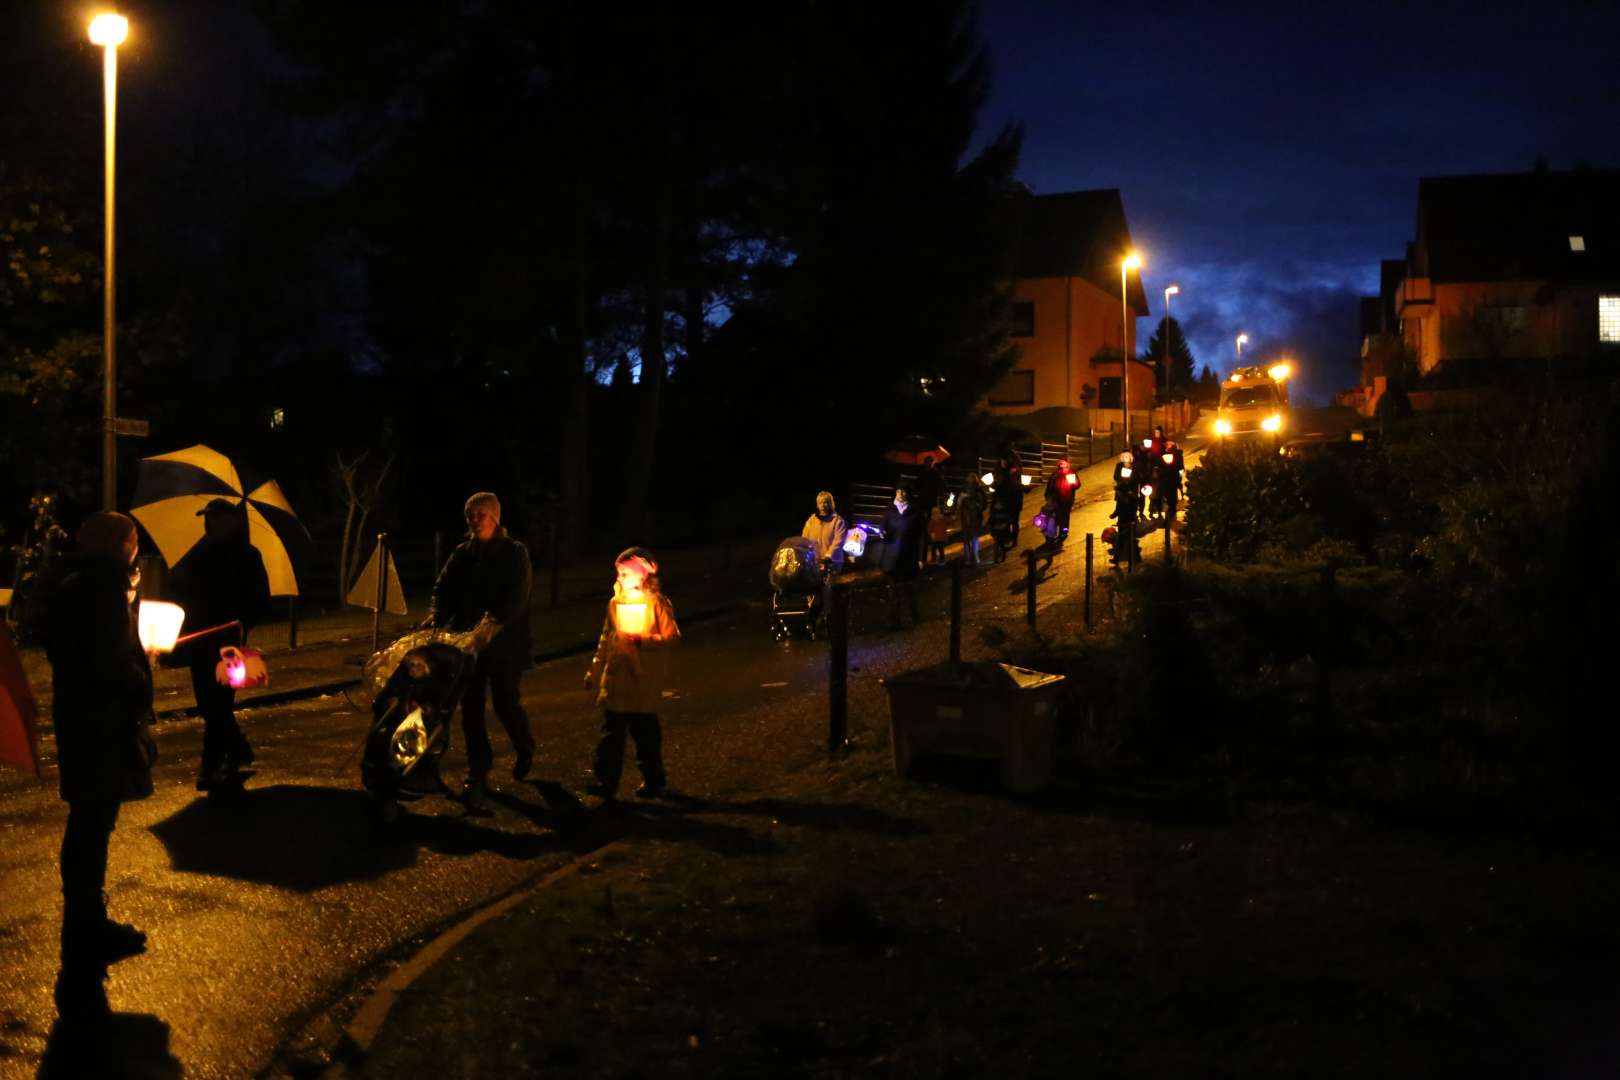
(1169, 291)
(109, 31)
(1131, 262)
(1241, 339)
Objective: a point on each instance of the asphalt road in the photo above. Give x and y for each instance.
(267, 910)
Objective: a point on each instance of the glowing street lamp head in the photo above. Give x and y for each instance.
(1133, 261)
(1171, 290)
(1243, 339)
(108, 30)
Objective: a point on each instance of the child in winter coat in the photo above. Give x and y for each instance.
(628, 673)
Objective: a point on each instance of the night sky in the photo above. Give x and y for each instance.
(1268, 158)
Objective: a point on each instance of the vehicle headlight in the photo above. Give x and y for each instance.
(1272, 422)
(1223, 427)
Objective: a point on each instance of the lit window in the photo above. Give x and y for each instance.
(278, 419)
(1577, 243)
(1609, 320)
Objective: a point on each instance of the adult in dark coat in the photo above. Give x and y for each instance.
(1010, 491)
(220, 581)
(1061, 488)
(930, 486)
(904, 527)
(101, 680)
(489, 573)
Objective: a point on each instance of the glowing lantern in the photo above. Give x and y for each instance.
(988, 479)
(1147, 491)
(158, 624)
(242, 667)
(1169, 459)
(1025, 479)
(631, 613)
(855, 542)
(950, 500)
(1125, 471)
(1070, 479)
(1147, 444)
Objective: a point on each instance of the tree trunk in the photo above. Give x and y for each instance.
(576, 427)
(650, 390)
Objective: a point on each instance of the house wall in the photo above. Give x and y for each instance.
(1509, 319)
(1074, 321)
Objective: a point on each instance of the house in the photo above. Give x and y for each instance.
(1068, 322)
(1505, 267)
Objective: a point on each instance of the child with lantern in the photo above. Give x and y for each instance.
(628, 674)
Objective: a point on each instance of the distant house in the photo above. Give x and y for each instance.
(1503, 267)
(1066, 309)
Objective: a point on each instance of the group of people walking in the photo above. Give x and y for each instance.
(102, 707)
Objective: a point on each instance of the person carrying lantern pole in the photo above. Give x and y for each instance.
(1167, 477)
(220, 582)
(1142, 461)
(489, 573)
(101, 678)
(628, 673)
(1061, 488)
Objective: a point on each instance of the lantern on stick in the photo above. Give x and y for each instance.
(241, 667)
(158, 624)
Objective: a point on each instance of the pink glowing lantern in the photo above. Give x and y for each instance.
(241, 667)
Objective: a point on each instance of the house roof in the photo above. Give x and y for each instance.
(1073, 234)
(1517, 226)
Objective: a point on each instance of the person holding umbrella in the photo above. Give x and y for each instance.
(489, 573)
(221, 581)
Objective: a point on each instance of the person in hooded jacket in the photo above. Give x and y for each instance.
(101, 678)
(627, 675)
(828, 529)
(221, 580)
(1143, 458)
(1061, 488)
(970, 512)
(903, 533)
(489, 574)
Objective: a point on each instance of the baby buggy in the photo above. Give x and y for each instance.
(798, 587)
(415, 685)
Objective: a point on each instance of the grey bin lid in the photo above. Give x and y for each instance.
(975, 675)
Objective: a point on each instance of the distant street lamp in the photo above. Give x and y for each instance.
(109, 31)
(1131, 262)
(1241, 339)
(1169, 291)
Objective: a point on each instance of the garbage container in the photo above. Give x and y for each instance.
(981, 709)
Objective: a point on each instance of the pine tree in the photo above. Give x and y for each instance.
(1182, 363)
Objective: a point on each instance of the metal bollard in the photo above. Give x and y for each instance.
(382, 591)
(1029, 588)
(956, 612)
(838, 670)
(1090, 540)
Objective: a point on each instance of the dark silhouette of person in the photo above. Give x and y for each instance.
(929, 487)
(1061, 488)
(101, 679)
(220, 581)
(903, 528)
(489, 573)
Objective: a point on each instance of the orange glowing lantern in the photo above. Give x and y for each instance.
(158, 624)
(631, 613)
(241, 667)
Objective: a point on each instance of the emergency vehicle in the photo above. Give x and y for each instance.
(1254, 404)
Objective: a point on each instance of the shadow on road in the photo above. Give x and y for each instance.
(823, 817)
(126, 1045)
(308, 838)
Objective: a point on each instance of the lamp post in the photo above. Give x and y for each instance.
(109, 31)
(1241, 340)
(1131, 262)
(1169, 291)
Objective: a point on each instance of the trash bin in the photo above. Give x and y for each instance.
(982, 709)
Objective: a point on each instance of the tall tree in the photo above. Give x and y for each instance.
(1182, 363)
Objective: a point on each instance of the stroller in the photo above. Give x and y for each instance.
(415, 684)
(798, 582)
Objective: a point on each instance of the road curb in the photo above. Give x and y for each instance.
(358, 1035)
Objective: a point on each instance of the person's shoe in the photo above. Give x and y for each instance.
(213, 776)
(475, 796)
(81, 997)
(120, 941)
(601, 791)
(650, 791)
(524, 762)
